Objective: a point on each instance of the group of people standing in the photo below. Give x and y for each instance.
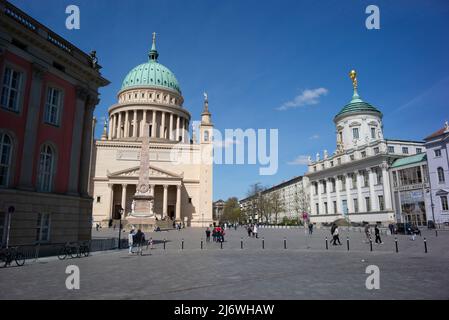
(252, 230)
(218, 234)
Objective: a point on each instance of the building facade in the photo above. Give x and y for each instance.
(437, 145)
(353, 183)
(218, 209)
(49, 89)
(410, 187)
(293, 197)
(150, 104)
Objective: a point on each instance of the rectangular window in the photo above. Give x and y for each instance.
(365, 179)
(355, 133)
(363, 154)
(390, 149)
(418, 150)
(381, 203)
(444, 204)
(53, 106)
(316, 188)
(373, 133)
(376, 150)
(326, 211)
(324, 187)
(335, 206)
(12, 82)
(98, 199)
(43, 227)
(438, 153)
(379, 179)
(343, 184)
(405, 150)
(333, 185)
(317, 206)
(368, 204)
(356, 205)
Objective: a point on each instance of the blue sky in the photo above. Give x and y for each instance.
(253, 57)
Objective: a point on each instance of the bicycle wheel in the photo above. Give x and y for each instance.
(86, 251)
(20, 259)
(3, 260)
(75, 252)
(62, 254)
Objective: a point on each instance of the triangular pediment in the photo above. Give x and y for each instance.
(154, 172)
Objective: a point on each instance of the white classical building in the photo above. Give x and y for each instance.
(353, 182)
(181, 168)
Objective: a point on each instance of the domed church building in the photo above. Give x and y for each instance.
(150, 106)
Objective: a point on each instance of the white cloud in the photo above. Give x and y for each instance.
(314, 137)
(307, 97)
(299, 160)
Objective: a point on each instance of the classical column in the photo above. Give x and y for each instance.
(312, 202)
(338, 189)
(144, 121)
(135, 124)
(170, 132)
(87, 145)
(126, 135)
(320, 204)
(162, 135)
(110, 128)
(186, 131)
(124, 187)
(119, 124)
(348, 193)
(164, 204)
(330, 208)
(360, 199)
(111, 199)
(153, 125)
(372, 194)
(178, 203)
(113, 125)
(32, 123)
(386, 187)
(177, 128)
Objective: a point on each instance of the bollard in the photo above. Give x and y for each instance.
(370, 244)
(182, 244)
(347, 242)
(285, 243)
(221, 244)
(327, 246)
(241, 243)
(263, 243)
(436, 233)
(201, 243)
(425, 245)
(396, 243)
(164, 243)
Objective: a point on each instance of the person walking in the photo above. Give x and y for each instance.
(130, 241)
(332, 233)
(249, 231)
(137, 241)
(207, 235)
(255, 231)
(377, 234)
(310, 228)
(367, 232)
(336, 236)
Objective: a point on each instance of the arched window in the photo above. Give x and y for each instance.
(46, 168)
(440, 175)
(5, 158)
(206, 136)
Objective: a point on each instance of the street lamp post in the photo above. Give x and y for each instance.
(432, 205)
(120, 228)
(11, 210)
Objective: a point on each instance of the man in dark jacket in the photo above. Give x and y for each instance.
(377, 234)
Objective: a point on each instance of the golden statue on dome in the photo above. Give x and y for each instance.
(353, 76)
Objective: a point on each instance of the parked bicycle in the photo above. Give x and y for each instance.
(69, 249)
(8, 255)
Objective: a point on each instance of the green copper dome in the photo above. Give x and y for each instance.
(357, 105)
(152, 74)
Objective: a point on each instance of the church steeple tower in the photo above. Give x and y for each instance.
(153, 54)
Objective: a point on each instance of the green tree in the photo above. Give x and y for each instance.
(231, 211)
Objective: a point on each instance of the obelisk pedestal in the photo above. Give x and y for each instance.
(143, 217)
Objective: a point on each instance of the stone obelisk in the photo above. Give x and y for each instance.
(143, 216)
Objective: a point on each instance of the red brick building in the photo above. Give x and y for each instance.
(48, 92)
